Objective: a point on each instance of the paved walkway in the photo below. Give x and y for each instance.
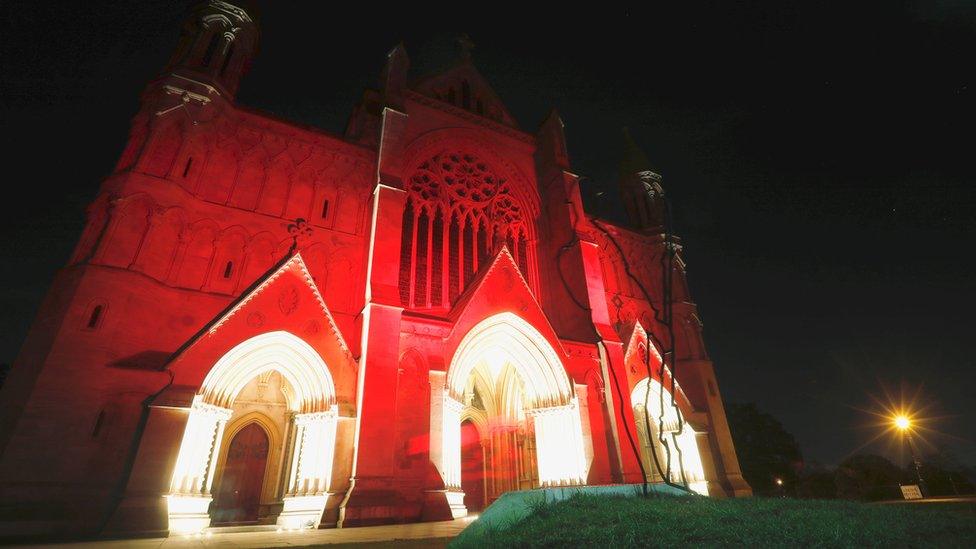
(939, 499)
(427, 535)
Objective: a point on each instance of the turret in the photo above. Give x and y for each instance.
(393, 80)
(215, 49)
(640, 188)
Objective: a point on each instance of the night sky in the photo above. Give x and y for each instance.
(819, 162)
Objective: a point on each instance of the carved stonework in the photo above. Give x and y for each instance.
(311, 328)
(288, 300)
(300, 231)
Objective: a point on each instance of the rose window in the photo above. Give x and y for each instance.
(459, 211)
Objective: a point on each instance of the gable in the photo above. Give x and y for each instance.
(500, 288)
(464, 87)
(636, 356)
(285, 300)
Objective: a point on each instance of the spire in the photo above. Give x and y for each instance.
(465, 45)
(640, 187)
(552, 140)
(633, 160)
(393, 81)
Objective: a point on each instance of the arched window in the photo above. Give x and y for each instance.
(208, 54)
(459, 212)
(99, 421)
(406, 253)
(466, 95)
(96, 313)
(227, 58)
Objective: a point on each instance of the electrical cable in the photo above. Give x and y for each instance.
(668, 305)
(665, 317)
(647, 364)
(630, 437)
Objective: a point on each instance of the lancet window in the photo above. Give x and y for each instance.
(459, 212)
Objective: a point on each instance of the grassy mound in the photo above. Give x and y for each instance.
(595, 521)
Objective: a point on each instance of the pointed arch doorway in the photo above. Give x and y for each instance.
(251, 457)
(508, 381)
(238, 496)
(670, 446)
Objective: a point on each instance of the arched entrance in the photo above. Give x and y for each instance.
(671, 440)
(301, 461)
(507, 377)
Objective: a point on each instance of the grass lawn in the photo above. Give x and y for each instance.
(600, 521)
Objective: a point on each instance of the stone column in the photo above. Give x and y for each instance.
(311, 471)
(189, 498)
(445, 442)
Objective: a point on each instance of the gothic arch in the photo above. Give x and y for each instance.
(97, 217)
(216, 28)
(216, 22)
(466, 139)
(220, 173)
(594, 381)
(250, 179)
(294, 359)
(312, 398)
(275, 445)
(672, 438)
(315, 257)
(531, 389)
(413, 387)
(478, 418)
(197, 254)
(130, 221)
(228, 262)
(462, 204)
(302, 193)
(336, 294)
(161, 244)
(635, 356)
(260, 258)
(274, 195)
(511, 338)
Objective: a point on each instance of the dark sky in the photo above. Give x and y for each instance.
(819, 161)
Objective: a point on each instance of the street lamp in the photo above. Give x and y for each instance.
(904, 424)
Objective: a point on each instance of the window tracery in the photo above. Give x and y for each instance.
(458, 212)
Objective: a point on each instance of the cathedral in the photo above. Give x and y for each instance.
(264, 323)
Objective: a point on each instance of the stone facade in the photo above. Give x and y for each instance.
(364, 299)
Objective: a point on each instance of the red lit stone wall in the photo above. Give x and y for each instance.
(204, 205)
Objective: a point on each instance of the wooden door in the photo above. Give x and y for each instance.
(239, 494)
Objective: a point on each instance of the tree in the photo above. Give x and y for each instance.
(816, 482)
(868, 477)
(945, 476)
(766, 450)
